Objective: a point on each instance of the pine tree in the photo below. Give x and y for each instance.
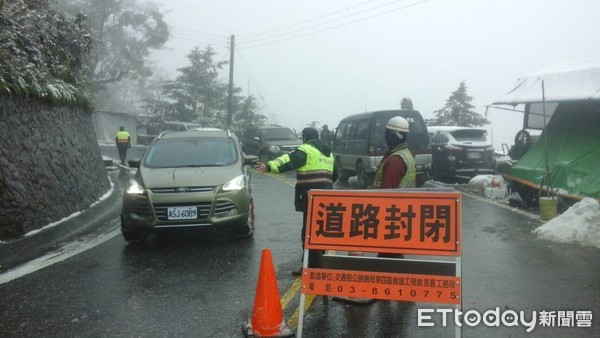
(457, 111)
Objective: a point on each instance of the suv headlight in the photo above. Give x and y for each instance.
(274, 149)
(135, 188)
(235, 184)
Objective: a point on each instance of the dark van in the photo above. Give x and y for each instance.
(359, 145)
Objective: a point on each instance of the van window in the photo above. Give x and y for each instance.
(362, 130)
(350, 131)
(378, 132)
(339, 133)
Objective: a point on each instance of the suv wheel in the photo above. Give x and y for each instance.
(361, 176)
(342, 175)
(246, 229)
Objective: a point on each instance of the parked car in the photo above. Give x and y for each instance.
(461, 152)
(191, 179)
(359, 145)
(268, 142)
(167, 126)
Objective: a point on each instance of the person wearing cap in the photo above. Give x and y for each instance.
(313, 162)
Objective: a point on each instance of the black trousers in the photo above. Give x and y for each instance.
(122, 147)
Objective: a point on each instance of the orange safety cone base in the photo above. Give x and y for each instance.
(283, 331)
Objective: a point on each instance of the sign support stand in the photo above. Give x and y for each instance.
(415, 222)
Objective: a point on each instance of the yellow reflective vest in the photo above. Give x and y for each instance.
(410, 178)
(122, 137)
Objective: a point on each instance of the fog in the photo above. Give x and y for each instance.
(323, 60)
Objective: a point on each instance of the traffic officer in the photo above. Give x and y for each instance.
(313, 162)
(123, 142)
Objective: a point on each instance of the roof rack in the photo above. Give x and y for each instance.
(164, 133)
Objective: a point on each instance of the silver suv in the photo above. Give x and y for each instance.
(191, 179)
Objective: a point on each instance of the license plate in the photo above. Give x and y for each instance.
(182, 213)
(472, 154)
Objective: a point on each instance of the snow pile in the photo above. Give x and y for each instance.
(579, 224)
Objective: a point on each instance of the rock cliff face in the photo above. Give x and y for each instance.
(50, 164)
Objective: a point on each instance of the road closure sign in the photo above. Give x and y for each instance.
(391, 221)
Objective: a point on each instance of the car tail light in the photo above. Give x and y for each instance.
(422, 150)
(372, 151)
(452, 149)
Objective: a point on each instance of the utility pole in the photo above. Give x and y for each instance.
(230, 98)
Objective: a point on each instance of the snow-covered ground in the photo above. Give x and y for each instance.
(580, 224)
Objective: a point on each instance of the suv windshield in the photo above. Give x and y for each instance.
(277, 134)
(191, 152)
(470, 135)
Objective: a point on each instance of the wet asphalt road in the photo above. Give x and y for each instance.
(195, 285)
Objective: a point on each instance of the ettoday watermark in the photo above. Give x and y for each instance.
(496, 318)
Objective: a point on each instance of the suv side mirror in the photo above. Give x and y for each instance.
(250, 159)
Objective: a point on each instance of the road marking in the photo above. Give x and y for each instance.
(64, 252)
(282, 179)
(292, 323)
(290, 293)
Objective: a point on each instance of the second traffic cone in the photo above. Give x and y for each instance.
(267, 315)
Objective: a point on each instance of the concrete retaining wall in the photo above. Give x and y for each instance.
(50, 164)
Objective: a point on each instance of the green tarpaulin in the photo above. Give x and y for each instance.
(571, 147)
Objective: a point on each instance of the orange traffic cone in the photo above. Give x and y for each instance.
(267, 315)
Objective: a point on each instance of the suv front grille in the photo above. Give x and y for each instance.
(161, 209)
(181, 189)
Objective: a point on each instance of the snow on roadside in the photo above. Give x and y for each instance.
(579, 224)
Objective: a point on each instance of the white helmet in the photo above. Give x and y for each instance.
(398, 123)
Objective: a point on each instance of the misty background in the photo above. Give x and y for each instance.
(307, 61)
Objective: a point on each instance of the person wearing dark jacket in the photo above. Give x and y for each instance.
(313, 162)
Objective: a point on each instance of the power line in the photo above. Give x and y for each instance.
(222, 44)
(253, 82)
(309, 20)
(196, 32)
(330, 21)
